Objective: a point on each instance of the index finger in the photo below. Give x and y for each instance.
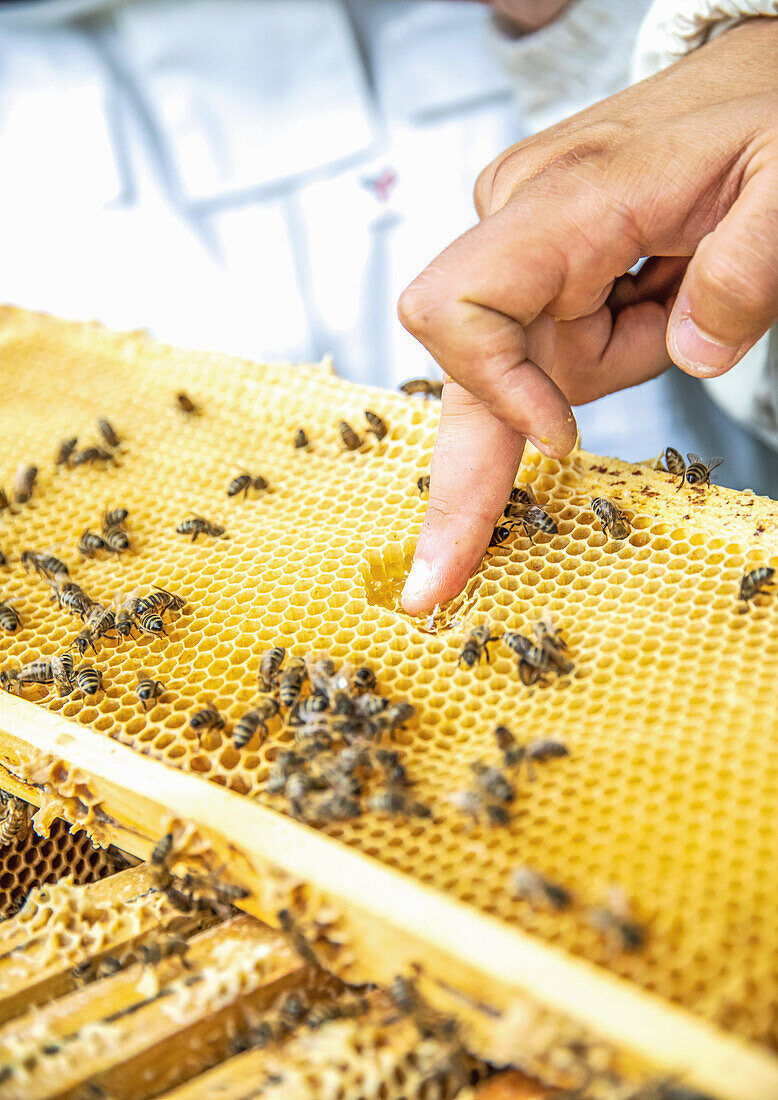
(473, 467)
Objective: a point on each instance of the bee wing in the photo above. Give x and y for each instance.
(712, 463)
(618, 903)
(547, 619)
(693, 458)
(120, 599)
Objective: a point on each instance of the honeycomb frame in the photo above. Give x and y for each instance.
(639, 618)
(32, 861)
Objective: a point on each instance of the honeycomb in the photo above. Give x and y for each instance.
(668, 795)
(31, 861)
(190, 1022)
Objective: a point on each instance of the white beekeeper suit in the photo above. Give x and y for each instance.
(264, 176)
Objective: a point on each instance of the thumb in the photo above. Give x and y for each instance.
(473, 467)
(729, 296)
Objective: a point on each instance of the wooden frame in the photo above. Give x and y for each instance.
(509, 988)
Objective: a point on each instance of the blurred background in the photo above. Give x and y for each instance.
(263, 177)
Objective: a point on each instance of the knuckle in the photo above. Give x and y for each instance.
(416, 308)
(513, 168)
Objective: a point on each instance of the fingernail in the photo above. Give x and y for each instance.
(419, 580)
(541, 444)
(701, 353)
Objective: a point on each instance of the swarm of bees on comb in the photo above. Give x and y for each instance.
(343, 760)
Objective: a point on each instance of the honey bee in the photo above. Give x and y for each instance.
(499, 535)
(24, 482)
(239, 484)
(253, 720)
(101, 621)
(423, 484)
(90, 543)
(396, 716)
(612, 519)
(10, 619)
(522, 495)
(541, 750)
(292, 1011)
(615, 922)
(351, 441)
(300, 439)
(698, 472)
(196, 526)
(392, 767)
(323, 1013)
(186, 404)
(62, 673)
(151, 954)
(114, 517)
(512, 752)
(364, 678)
(160, 853)
(65, 451)
(243, 482)
(207, 718)
(309, 710)
(675, 463)
(533, 665)
(44, 564)
(425, 386)
(160, 600)
(338, 693)
(404, 996)
(9, 678)
(108, 432)
(552, 644)
(300, 944)
(147, 689)
(270, 666)
(534, 518)
(117, 540)
(188, 902)
(291, 681)
(126, 613)
(519, 643)
(88, 680)
(298, 784)
(397, 802)
(755, 582)
(72, 597)
(195, 894)
(477, 646)
(493, 782)
(354, 758)
(15, 821)
(375, 424)
(90, 455)
(369, 705)
(338, 807)
(35, 672)
(539, 891)
(150, 622)
(257, 1038)
(284, 766)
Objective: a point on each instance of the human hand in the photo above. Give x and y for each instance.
(531, 310)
